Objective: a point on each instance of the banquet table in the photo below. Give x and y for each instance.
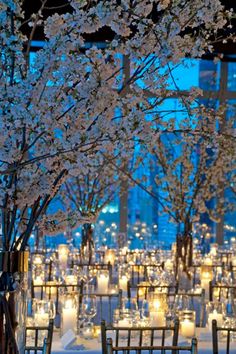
(93, 346)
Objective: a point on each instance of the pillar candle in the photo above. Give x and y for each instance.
(102, 283)
(157, 318)
(71, 279)
(69, 317)
(109, 256)
(41, 318)
(63, 255)
(123, 280)
(187, 328)
(169, 264)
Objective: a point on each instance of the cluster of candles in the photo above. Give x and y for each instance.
(157, 301)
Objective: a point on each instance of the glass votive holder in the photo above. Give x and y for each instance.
(125, 320)
(187, 322)
(214, 311)
(88, 330)
(97, 332)
(38, 260)
(70, 276)
(41, 312)
(102, 281)
(113, 289)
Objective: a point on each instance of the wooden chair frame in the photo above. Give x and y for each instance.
(215, 330)
(46, 348)
(162, 348)
(105, 328)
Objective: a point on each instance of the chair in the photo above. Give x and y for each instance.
(221, 291)
(149, 349)
(215, 331)
(46, 347)
(39, 346)
(138, 335)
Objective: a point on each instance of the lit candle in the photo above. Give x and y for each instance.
(102, 282)
(96, 331)
(215, 316)
(71, 279)
(187, 328)
(124, 323)
(168, 264)
(69, 316)
(208, 261)
(157, 314)
(173, 247)
(38, 280)
(38, 260)
(123, 280)
(206, 277)
(213, 249)
(157, 318)
(234, 261)
(124, 251)
(109, 256)
(63, 252)
(41, 318)
(88, 332)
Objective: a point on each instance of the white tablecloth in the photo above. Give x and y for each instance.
(93, 346)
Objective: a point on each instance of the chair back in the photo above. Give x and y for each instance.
(125, 336)
(150, 349)
(227, 332)
(39, 345)
(217, 292)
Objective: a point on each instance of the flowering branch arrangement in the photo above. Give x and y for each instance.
(75, 100)
(63, 107)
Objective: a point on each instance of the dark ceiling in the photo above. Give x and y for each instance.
(62, 6)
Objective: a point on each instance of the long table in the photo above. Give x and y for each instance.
(93, 346)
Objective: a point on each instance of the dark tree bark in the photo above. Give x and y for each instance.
(184, 248)
(87, 244)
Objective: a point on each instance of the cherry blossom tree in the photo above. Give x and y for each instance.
(84, 196)
(57, 114)
(193, 163)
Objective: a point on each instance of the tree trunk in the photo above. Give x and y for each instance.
(87, 244)
(13, 290)
(184, 251)
(8, 324)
